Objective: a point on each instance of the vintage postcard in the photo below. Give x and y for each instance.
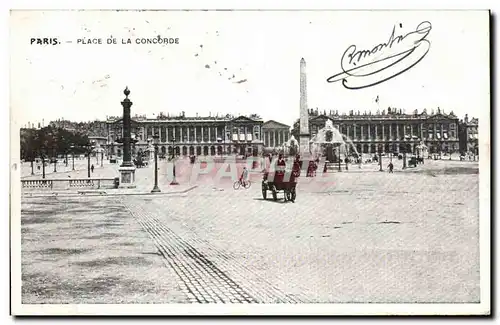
(250, 162)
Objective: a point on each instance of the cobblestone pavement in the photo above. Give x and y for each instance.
(373, 237)
(364, 237)
(207, 273)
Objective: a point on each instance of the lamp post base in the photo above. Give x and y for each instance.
(127, 177)
(174, 182)
(155, 190)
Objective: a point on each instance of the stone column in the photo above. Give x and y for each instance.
(390, 131)
(127, 158)
(361, 131)
(422, 131)
(383, 132)
(397, 131)
(127, 168)
(195, 138)
(166, 135)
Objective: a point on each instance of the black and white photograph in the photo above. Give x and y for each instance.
(250, 162)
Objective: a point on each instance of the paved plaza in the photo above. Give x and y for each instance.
(364, 236)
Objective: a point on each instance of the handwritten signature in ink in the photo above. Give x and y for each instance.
(367, 68)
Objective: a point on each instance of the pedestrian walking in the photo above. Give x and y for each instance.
(92, 168)
(391, 167)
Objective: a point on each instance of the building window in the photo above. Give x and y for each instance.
(163, 134)
(256, 132)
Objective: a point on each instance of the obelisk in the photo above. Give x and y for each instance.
(304, 135)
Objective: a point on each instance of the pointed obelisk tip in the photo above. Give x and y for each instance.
(302, 60)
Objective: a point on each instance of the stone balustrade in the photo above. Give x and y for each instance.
(67, 183)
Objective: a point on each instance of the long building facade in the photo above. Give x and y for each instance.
(186, 136)
(392, 131)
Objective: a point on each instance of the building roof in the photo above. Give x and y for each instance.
(272, 124)
(390, 114)
(368, 117)
(183, 118)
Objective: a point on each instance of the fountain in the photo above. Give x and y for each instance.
(291, 147)
(422, 150)
(330, 142)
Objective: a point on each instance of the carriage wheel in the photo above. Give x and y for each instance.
(288, 195)
(293, 194)
(275, 196)
(236, 185)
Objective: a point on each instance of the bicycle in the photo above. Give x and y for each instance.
(245, 184)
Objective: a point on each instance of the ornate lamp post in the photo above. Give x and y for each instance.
(340, 166)
(102, 156)
(90, 147)
(380, 157)
(73, 155)
(42, 154)
(32, 157)
(55, 158)
(404, 152)
(174, 180)
(156, 140)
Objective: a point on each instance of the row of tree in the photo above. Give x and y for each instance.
(50, 142)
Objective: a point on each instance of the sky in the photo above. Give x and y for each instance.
(236, 62)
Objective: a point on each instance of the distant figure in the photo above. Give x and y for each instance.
(92, 168)
(244, 177)
(281, 161)
(391, 167)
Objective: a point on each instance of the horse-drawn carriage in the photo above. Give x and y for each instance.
(281, 180)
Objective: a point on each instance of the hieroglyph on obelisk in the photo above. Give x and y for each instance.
(304, 111)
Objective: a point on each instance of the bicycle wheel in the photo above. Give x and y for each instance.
(236, 185)
(247, 184)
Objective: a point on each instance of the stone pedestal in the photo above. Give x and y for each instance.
(127, 177)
